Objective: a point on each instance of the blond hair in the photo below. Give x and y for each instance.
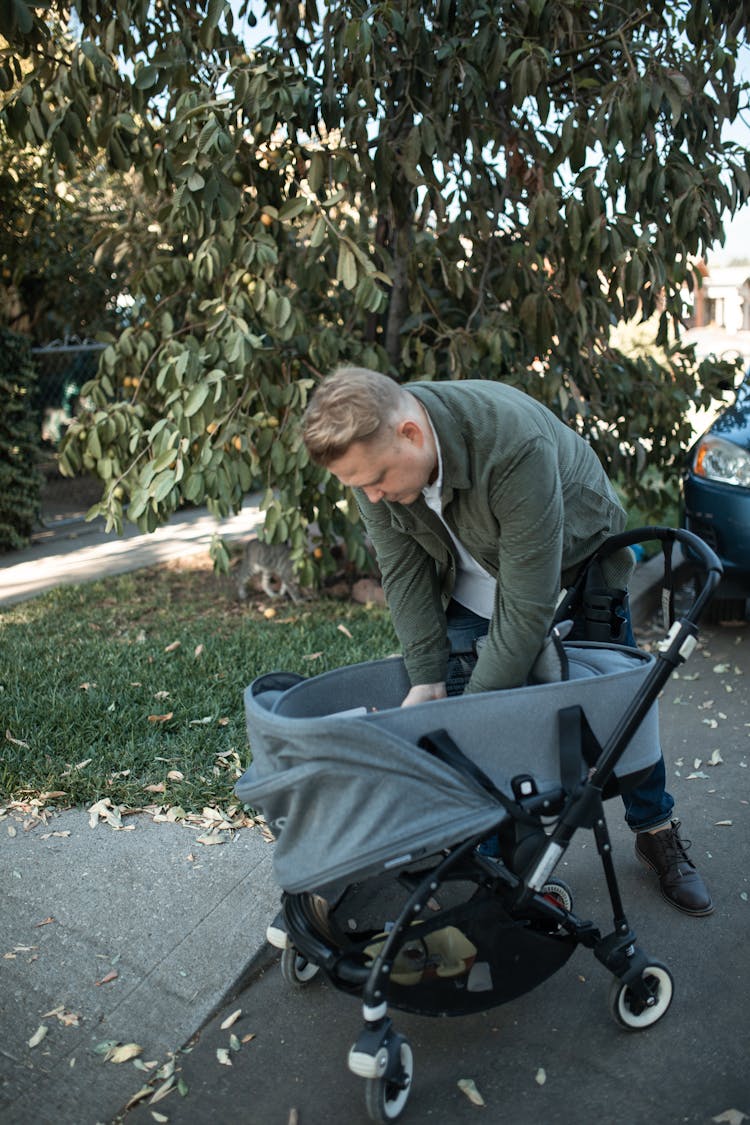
(352, 404)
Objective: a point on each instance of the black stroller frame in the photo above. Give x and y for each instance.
(526, 911)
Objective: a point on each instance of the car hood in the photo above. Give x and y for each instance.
(734, 423)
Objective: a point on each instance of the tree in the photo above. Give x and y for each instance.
(442, 190)
(51, 285)
(20, 480)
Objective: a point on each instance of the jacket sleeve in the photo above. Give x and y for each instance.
(412, 591)
(527, 503)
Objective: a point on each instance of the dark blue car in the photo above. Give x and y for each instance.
(716, 495)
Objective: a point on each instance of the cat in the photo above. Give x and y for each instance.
(267, 561)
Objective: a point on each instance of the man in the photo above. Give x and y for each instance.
(481, 505)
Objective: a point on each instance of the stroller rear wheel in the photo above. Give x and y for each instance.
(386, 1097)
(296, 970)
(559, 892)
(629, 1010)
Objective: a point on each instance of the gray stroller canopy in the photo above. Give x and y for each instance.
(347, 791)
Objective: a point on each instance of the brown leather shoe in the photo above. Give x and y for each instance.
(681, 885)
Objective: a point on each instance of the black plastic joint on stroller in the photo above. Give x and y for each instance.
(437, 924)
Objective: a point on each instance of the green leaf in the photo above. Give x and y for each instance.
(292, 208)
(146, 77)
(195, 399)
(23, 16)
(346, 269)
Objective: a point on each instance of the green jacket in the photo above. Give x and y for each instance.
(526, 496)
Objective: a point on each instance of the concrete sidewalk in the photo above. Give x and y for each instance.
(107, 937)
(133, 934)
(109, 934)
(69, 550)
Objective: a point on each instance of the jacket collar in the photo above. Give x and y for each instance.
(456, 473)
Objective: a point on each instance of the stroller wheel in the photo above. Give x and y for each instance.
(629, 1011)
(386, 1097)
(560, 893)
(296, 970)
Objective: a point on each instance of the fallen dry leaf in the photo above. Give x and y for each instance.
(198, 651)
(123, 1052)
(142, 1093)
(16, 741)
(163, 1090)
(268, 613)
(66, 1018)
(161, 695)
(158, 1116)
(158, 787)
(107, 811)
(161, 718)
(176, 775)
(38, 1035)
(208, 840)
(46, 922)
(174, 645)
(469, 1087)
(541, 1076)
(730, 1117)
(231, 1019)
(343, 629)
(107, 978)
(222, 1054)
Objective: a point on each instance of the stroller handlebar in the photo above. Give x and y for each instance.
(696, 548)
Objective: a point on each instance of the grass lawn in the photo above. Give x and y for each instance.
(131, 688)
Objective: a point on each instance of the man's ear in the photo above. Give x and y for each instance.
(412, 431)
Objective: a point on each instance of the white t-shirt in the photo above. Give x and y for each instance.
(474, 587)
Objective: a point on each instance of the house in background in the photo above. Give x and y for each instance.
(720, 319)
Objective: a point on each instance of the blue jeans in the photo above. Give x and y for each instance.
(646, 805)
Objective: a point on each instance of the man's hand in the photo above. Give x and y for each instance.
(423, 693)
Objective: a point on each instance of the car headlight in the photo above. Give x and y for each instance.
(720, 460)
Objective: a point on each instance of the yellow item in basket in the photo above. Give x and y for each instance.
(440, 954)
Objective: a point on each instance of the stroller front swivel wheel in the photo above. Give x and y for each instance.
(296, 970)
(386, 1096)
(629, 1010)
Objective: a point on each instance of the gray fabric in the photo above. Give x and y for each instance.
(618, 568)
(348, 795)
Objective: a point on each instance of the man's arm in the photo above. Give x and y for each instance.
(528, 505)
(410, 584)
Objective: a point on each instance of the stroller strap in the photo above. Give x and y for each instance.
(440, 744)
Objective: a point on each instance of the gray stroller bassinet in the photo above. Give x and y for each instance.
(361, 793)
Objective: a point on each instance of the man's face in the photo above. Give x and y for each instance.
(395, 467)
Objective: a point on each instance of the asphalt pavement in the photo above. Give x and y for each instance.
(136, 982)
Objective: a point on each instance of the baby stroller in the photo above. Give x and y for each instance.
(380, 812)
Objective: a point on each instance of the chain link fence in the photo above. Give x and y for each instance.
(62, 368)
